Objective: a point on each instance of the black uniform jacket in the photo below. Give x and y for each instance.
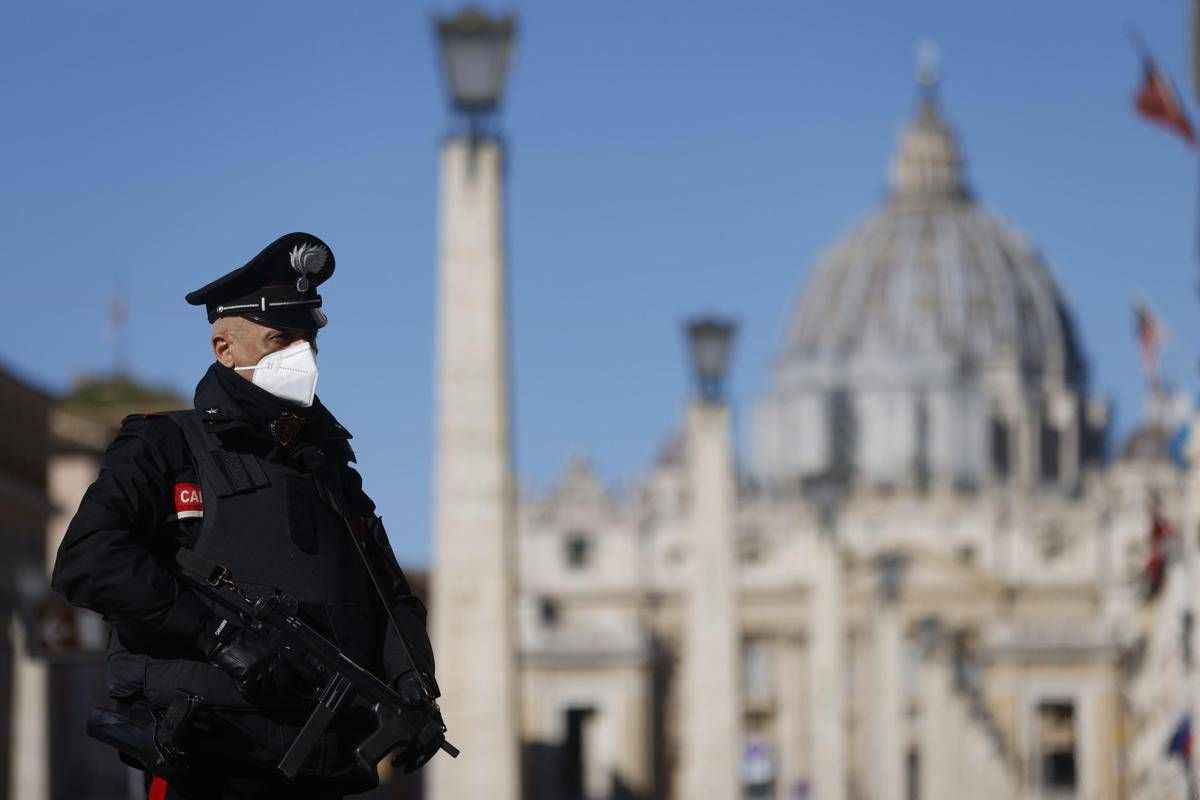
(275, 531)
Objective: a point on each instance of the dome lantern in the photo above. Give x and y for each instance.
(927, 165)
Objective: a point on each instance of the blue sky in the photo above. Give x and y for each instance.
(665, 158)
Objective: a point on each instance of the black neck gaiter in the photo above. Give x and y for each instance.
(258, 405)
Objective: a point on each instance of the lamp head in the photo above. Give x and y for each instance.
(710, 345)
(475, 50)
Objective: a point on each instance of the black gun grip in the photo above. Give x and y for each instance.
(390, 733)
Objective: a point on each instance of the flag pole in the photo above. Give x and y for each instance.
(118, 317)
(1139, 44)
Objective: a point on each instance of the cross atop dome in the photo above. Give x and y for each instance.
(929, 64)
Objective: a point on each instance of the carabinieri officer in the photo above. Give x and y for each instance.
(245, 479)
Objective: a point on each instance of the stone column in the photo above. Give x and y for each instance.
(712, 740)
(67, 478)
(29, 772)
(475, 513)
(888, 741)
(827, 657)
(954, 747)
(598, 758)
(632, 734)
(936, 719)
(789, 718)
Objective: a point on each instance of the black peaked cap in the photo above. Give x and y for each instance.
(276, 288)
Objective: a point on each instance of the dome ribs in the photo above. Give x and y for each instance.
(932, 303)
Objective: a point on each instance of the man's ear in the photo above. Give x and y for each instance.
(222, 345)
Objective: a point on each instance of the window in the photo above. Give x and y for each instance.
(574, 752)
(751, 548)
(1049, 459)
(1053, 541)
(756, 670)
(843, 433)
(921, 471)
(578, 549)
(1056, 744)
(548, 611)
(1000, 456)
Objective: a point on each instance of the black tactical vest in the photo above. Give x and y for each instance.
(265, 520)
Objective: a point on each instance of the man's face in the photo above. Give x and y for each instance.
(240, 342)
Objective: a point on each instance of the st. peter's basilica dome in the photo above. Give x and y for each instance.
(930, 345)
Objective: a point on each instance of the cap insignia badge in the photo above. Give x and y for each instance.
(307, 259)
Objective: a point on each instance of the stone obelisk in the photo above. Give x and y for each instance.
(475, 515)
(712, 708)
(474, 558)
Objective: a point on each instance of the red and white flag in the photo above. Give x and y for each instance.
(1158, 101)
(1154, 574)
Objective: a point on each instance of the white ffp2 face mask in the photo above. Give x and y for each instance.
(289, 374)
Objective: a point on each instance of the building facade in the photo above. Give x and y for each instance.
(57, 670)
(24, 510)
(939, 573)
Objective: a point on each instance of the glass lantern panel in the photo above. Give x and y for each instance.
(710, 349)
(475, 66)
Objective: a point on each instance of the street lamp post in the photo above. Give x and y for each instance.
(827, 637)
(474, 558)
(712, 730)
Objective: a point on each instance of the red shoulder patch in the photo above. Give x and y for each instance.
(189, 501)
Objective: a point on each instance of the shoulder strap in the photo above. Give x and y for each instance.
(230, 472)
(199, 567)
(331, 491)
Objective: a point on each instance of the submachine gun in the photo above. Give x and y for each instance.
(149, 740)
